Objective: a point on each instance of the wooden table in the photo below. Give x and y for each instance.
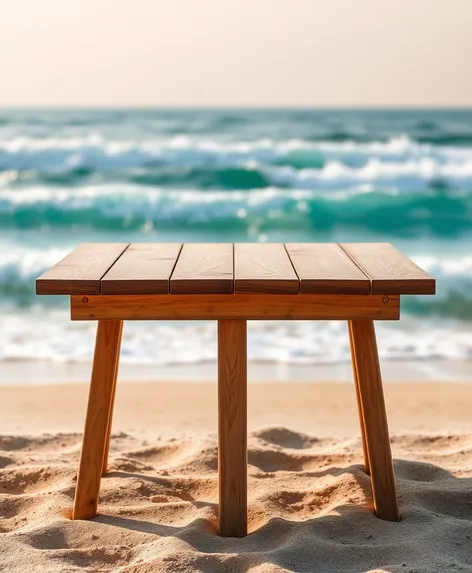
(356, 282)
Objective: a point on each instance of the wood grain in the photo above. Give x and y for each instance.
(375, 420)
(144, 268)
(203, 268)
(264, 269)
(390, 271)
(80, 272)
(116, 356)
(232, 428)
(350, 268)
(236, 306)
(324, 268)
(97, 419)
(359, 402)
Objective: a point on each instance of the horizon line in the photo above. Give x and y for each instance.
(242, 107)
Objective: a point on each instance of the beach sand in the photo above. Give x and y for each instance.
(309, 498)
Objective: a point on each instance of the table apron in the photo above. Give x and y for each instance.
(236, 306)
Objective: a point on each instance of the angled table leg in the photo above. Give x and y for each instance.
(375, 418)
(232, 427)
(359, 403)
(112, 405)
(97, 419)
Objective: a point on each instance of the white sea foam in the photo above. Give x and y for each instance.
(95, 151)
(413, 176)
(410, 176)
(50, 336)
(25, 263)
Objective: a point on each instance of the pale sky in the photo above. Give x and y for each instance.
(235, 52)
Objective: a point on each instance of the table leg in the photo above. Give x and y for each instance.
(112, 405)
(359, 403)
(97, 419)
(232, 427)
(375, 419)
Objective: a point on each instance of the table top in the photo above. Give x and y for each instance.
(226, 268)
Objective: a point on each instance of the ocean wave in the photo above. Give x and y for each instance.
(96, 153)
(244, 177)
(119, 207)
(444, 125)
(409, 176)
(19, 268)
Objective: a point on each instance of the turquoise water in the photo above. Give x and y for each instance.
(230, 175)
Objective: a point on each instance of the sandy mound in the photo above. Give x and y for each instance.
(309, 507)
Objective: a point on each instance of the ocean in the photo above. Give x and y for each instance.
(72, 176)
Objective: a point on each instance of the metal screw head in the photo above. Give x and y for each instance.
(85, 300)
(385, 299)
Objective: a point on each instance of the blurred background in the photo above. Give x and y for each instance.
(268, 121)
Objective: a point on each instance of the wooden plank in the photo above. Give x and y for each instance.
(325, 268)
(203, 268)
(144, 268)
(237, 306)
(375, 419)
(232, 427)
(80, 271)
(97, 419)
(264, 269)
(390, 271)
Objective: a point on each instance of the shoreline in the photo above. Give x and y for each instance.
(186, 408)
(37, 372)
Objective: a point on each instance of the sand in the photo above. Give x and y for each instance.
(309, 498)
